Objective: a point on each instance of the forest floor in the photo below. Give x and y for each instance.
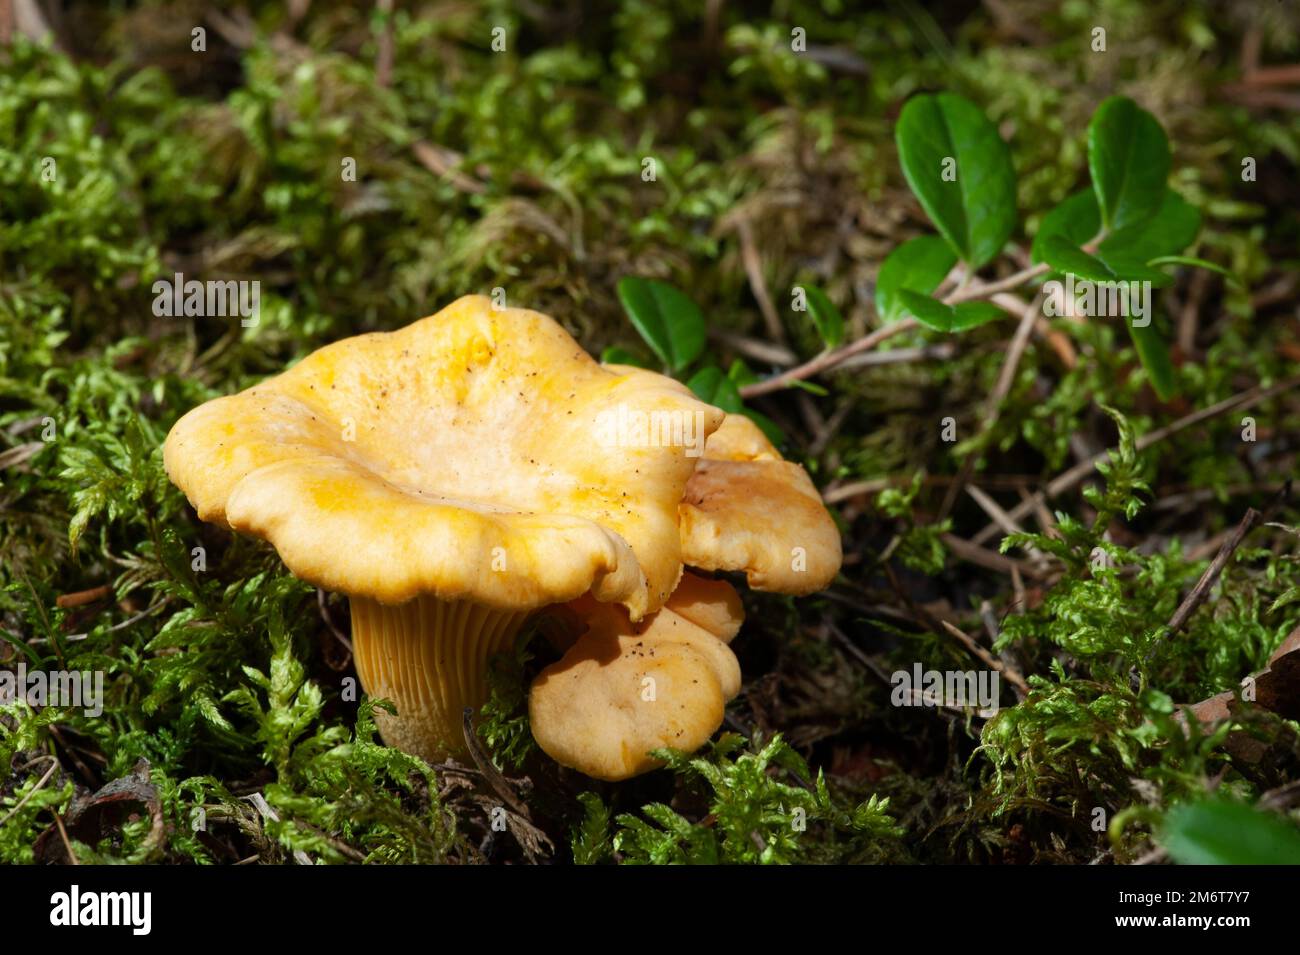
(128, 155)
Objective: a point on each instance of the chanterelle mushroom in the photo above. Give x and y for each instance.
(624, 689)
(748, 509)
(745, 509)
(449, 478)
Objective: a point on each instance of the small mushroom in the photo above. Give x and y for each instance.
(747, 509)
(448, 479)
(624, 689)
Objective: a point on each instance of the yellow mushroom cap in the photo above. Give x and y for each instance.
(463, 457)
(748, 509)
(624, 689)
(712, 605)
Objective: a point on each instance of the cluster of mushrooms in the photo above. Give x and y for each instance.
(446, 478)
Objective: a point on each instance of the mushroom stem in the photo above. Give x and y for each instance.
(430, 658)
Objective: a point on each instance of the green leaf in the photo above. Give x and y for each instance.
(741, 373)
(765, 424)
(1063, 255)
(976, 211)
(613, 355)
(948, 318)
(1076, 220)
(1128, 156)
(1218, 832)
(827, 318)
(671, 324)
(918, 264)
(1172, 229)
(1129, 269)
(1153, 351)
(969, 315)
(712, 386)
(723, 391)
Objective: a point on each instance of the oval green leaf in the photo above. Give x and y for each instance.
(1128, 156)
(1172, 229)
(1218, 832)
(614, 355)
(1077, 220)
(934, 314)
(1153, 352)
(969, 315)
(671, 324)
(712, 386)
(918, 264)
(1063, 255)
(827, 318)
(974, 209)
(740, 373)
(1128, 269)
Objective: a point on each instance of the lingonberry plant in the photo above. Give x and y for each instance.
(1098, 254)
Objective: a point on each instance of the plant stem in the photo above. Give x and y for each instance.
(964, 292)
(828, 359)
(989, 289)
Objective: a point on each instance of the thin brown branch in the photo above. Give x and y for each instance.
(754, 271)
(1019, 342)
(1080, 472)
(444, 162)
(988, 559)
(498, 782)
(1189, 316)
(83, 597)
(67, 843)
(940, 351)
(989, 660)
(981, 290)
(323, 606)
(1201, 591)
(754, 348)
(21, 454)
(844, 492)
(828, 360)
(54, 764)
(1288, 75)
(964, 292)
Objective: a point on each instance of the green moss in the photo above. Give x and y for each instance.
(221, 673)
